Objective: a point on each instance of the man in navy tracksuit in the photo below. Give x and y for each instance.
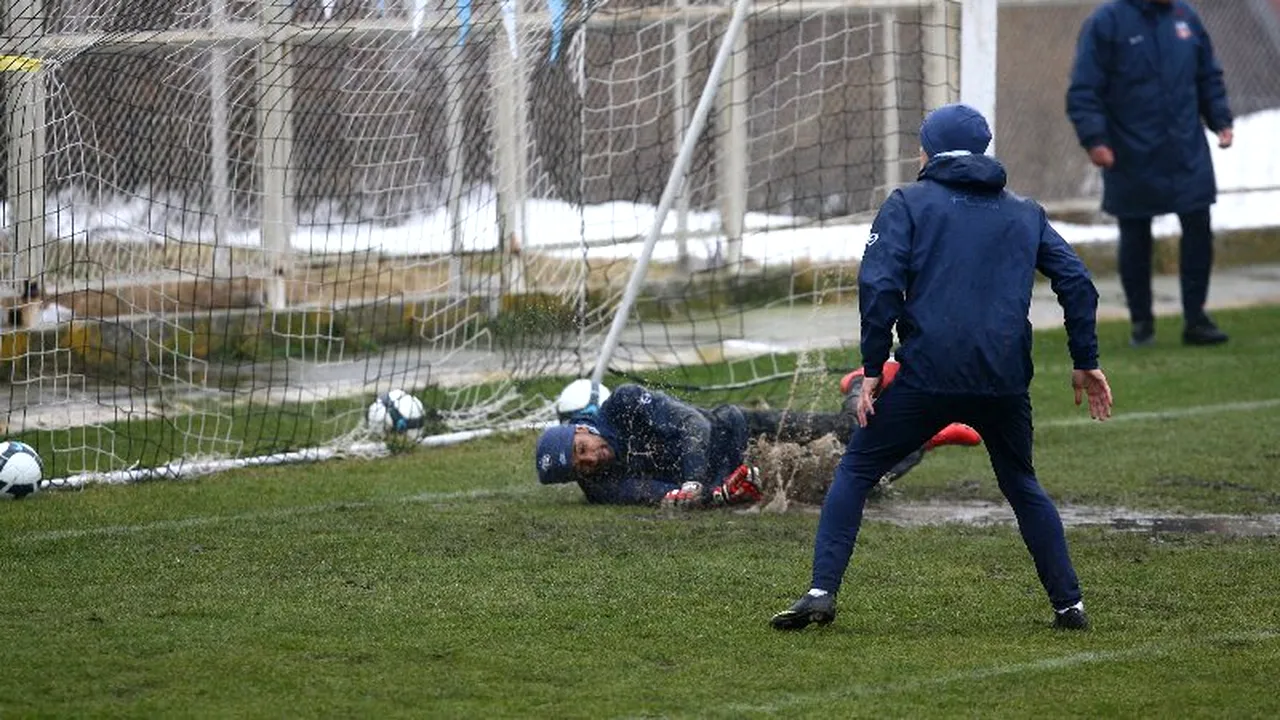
(1144, 85)
(644, 447)
(951, 261)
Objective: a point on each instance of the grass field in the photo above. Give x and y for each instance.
(446, 583)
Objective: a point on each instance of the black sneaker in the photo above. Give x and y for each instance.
(808, 609)
(1143, 334)
(1071, 619)
(1203, 333)
(903, 467)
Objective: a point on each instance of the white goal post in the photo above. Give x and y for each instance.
(978, 37)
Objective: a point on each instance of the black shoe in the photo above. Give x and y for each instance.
(1203, 332)
(808, 609)
(1071, 619)
(903, 467)
(1143, 334)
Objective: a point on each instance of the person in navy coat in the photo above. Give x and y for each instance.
(951, 262)
(1144, 85)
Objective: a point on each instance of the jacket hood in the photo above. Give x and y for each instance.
(979, 173)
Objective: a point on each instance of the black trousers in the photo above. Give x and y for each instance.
(904, 420)
(797, 426)
(1195, 263)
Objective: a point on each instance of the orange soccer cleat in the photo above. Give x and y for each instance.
(890, 371)
(954, 434)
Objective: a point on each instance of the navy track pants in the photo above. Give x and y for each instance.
(904, 419)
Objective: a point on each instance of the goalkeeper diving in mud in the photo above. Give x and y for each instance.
(644, 447)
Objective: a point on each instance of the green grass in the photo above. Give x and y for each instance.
(1225, 460)
(446, 583)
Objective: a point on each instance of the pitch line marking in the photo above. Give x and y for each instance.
(1150, 650)
(277, 514)
(1192, 411)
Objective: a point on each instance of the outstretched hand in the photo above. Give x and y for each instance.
(867, 398)
(1093, 384)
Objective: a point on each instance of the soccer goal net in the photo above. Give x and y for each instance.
(231, 224)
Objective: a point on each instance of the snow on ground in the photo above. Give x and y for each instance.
(1253, 165)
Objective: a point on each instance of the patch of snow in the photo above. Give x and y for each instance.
(1248, 174)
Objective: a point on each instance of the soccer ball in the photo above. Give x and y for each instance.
(397, 412)
(20, 470)
(575, 398)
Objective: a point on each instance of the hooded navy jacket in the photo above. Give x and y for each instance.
(951, 261)
(660, 443)
(1145, 77)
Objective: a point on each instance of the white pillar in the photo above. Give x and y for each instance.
(219, 152)
(978, 36)
(933, 44)
(890, 127)
(25, 106)
(509, 112)
(680, 117)
(275, 145)
(732, 165)
(455, 77)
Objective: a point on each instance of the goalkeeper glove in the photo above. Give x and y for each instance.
(688, 496)
(740, 488)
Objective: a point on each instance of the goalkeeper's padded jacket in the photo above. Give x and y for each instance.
(951, 262)
(1144, 80)
(660, 443)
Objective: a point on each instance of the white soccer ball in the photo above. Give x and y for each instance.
(575, 398)
(20, 470)
(397, 412)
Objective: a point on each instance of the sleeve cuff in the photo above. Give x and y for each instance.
(872, 370)
(1095, 141)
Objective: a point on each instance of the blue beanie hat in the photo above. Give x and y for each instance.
(955, 127)
(554, 454)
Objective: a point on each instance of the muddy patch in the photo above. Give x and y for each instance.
(1224, 486)
(795, 477)
(991, 513)
(981, 513)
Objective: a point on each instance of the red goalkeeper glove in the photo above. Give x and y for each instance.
(686, 497)
(740, 488)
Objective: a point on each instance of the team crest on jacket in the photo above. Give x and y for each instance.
(1183, 29)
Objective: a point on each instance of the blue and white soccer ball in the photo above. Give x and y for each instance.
(576, 398)
(20, 470)
(397, 412)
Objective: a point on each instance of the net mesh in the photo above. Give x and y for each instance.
(231, 224)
